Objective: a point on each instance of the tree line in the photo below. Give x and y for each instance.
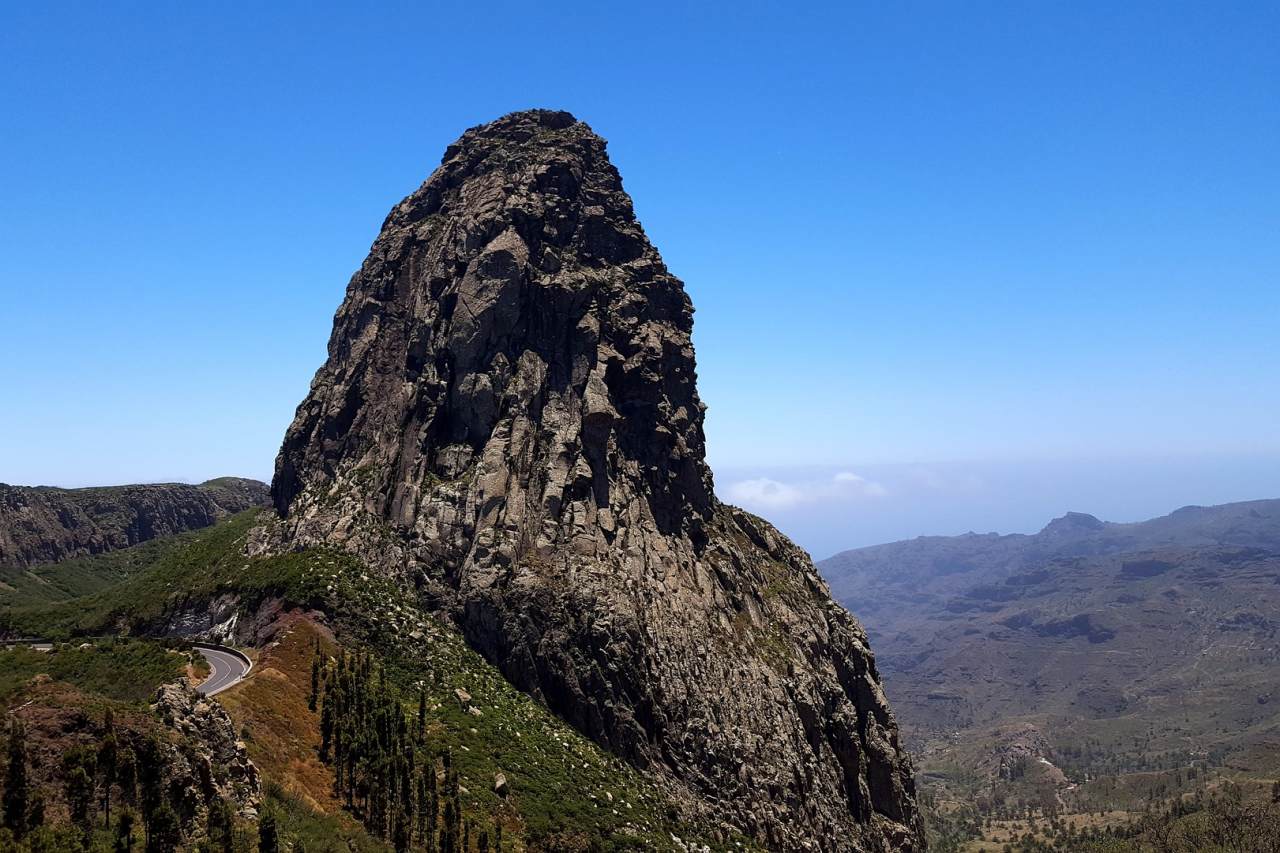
(385, 770)
(117, 793)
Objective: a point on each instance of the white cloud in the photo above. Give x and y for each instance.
(874, 490)
(850, 481)
(764, 493)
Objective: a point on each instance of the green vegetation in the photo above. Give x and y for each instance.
(98, 771)
(120, 670)
(181, 573)
(306, 829)
(17, 788)
(51, 583)
(562, 792)
(466, 723)
(1207, 812)
(1226, 821)
(383, 769)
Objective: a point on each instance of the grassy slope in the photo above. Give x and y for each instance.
(49, 583)
(188, 568)
(122, 671)
(566, 793)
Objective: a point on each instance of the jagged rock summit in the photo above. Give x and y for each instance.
(508, 419)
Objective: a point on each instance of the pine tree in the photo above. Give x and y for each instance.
(326, 727)
(35, 811)
(433, 809)
(449, 831)
(400, 833)
(421, 828)
(108, 764)
(124, 832)
(127, 775)
(268, 836)
(16, 783)
(150, 769)
(221, 825)
(164, 833)
(315, 683)
(77, 782)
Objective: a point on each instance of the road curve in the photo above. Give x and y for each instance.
(225, 670)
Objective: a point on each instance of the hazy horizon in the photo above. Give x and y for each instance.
(831, 508)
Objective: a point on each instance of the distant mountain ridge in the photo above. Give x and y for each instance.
(932, 568)
(1114, 657)
(43, 524)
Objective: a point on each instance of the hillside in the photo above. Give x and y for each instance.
(42, 524)
(562, 792)
(1091, 665)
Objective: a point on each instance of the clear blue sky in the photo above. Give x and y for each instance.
(1000, 233)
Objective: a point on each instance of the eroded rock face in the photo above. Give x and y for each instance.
(39, 524)
(508, 419)
(211, 763)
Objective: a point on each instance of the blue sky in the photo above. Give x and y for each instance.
(1038, 235)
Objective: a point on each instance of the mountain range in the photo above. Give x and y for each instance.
(1106, 654)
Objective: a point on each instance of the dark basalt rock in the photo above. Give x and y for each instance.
(508, 419)
(40, 524)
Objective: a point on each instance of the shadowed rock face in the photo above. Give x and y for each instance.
(40, 524)
(508, 418)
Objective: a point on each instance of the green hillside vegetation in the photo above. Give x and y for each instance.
(562, 791)
(50, 583)
(171, 575)
(121, 670)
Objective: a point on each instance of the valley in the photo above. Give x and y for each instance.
(1089, 669)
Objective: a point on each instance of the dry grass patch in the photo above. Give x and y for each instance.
(270, 708)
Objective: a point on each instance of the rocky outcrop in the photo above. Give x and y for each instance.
(41, 524)
(508, 420)
(209, 763)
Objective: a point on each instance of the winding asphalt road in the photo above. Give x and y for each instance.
(225, 670)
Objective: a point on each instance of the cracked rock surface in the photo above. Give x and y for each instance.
(212, 764)
(508, 420)
(41, 524)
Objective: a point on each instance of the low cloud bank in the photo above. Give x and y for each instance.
(764, 493)
(829, 509)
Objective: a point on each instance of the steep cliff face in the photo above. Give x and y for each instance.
(508, 419)
(43, 525)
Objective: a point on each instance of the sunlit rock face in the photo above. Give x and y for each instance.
(509, 420)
